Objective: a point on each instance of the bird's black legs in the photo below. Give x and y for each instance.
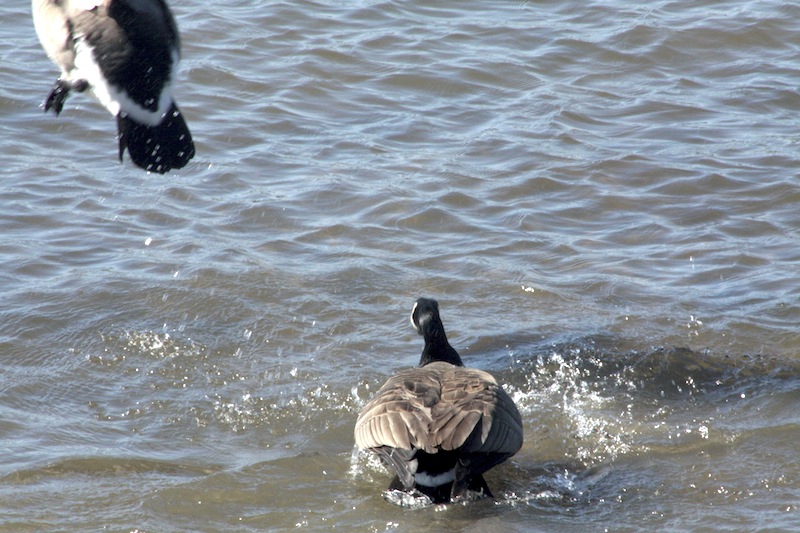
(59, 94)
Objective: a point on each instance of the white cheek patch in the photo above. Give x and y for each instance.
(114, 98)
(427, 480)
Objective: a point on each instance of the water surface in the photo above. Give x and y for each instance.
(602, 196)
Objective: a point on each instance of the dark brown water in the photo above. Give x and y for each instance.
(603, 196)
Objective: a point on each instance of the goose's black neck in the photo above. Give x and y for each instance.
(427, 322)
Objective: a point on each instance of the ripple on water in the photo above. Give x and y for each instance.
(550, 168)
(593, 416)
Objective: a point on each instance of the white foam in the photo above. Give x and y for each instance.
(427, 480)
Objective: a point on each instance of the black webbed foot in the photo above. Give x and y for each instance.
(59, 94)
(474, 489)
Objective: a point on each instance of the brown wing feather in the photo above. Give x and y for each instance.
(484, 405)
(504, 434)
(440, 406)
(399, 415)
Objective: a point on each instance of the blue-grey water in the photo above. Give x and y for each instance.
(602, 195)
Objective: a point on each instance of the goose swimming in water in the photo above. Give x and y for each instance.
(126, 53)
(441, 425)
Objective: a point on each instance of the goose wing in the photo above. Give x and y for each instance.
(441, 406)
(486, 420)
(401, 413)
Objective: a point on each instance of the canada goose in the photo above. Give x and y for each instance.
(440, 426)
(125, 52)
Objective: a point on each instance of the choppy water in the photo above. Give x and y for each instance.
(603, 196)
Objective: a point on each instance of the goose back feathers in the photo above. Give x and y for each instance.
(440, 426)
(125, 52)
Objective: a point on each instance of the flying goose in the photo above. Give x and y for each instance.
(125, 52)
(440, 426)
